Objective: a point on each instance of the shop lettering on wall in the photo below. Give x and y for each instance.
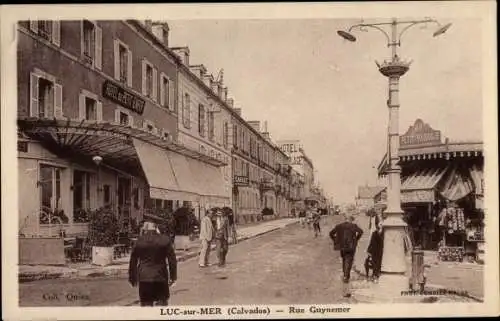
(240, 180)
(123, 97)
(420, 134)
(417, 196)
(296, 160)
(290, 148)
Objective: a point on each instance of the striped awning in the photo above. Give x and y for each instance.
(425, 179)
(456, 186)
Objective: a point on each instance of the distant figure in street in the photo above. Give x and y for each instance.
(148, 265)
(206, 237)
(375, 251)
(345, 237)
(221, 236)
(316, 223)
(302, 216)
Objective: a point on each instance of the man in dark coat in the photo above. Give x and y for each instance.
(345, 237)
(148, 265)
(375, 251)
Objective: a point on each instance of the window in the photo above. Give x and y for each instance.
(91, 44)
(225, 134)
(166, 94)
(81, 195)
(90, 108)
(45, 98)
(201, 120)
(235, 136)
(123, 63)
(186, 110)
(50, 196)
(49, 30)
(45, 29)
(124, 120)
(211, 127)
(149, 80)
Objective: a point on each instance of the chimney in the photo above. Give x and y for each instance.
(265, 133)
(183, 53)
(199, 70)
(230, 102)
(255, 124)
(237, 111)
(224, 94)
(160, 30)
(208, 79)
(214, 86)
(220, 90)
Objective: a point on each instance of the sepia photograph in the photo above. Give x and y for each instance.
(250, 161)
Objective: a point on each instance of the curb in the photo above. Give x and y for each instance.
(77, 274)
(431, 286)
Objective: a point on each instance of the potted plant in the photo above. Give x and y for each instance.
(103, 228)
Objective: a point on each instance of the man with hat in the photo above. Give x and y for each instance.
(206, 237)
(148, 263)
(221, 236)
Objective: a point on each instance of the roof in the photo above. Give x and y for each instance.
(369, 191)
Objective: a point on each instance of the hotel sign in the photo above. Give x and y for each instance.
(123, 97)
(420, 134)
(240, 180)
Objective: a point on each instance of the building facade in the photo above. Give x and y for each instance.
(204, 124)
(97, 124)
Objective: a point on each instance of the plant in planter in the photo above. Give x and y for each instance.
(103, 228)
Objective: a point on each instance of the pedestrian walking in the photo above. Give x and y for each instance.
(375, 251)
(345, 237)
(221, 237)
(316, 224)
(148, 265)
(206, 237)
(228, 212)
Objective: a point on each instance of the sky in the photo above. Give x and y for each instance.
(310, 84)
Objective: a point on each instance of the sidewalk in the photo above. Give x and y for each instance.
(468, 277)
(120, 265)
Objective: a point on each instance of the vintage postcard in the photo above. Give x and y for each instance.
(236, 161)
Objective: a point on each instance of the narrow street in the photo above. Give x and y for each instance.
(288, 266)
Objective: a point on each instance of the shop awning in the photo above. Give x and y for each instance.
(456, 186)
(174, 176)
(166, 180)
(477, 176)
(419, 186)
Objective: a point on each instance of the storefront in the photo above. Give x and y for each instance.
(68, 168)
(441, 193)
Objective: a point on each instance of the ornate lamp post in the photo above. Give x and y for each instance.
(393, 257)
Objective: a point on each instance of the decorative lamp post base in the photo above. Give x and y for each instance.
(394, 259)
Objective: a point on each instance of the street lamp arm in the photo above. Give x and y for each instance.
(413, 23)
(363, 25)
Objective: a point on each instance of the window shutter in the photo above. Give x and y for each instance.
(99, 111)
(81, 107)
(155, 84)
(56, 33)
(58, 112)
(117, 59)
(131, 121)
(143, 75)
(34, 25)
(98, 47)
(171, 97)
(117, 116)
(129, 68)
(34, 95)
(162, 90)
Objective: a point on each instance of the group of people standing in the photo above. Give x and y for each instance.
(217, 225)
